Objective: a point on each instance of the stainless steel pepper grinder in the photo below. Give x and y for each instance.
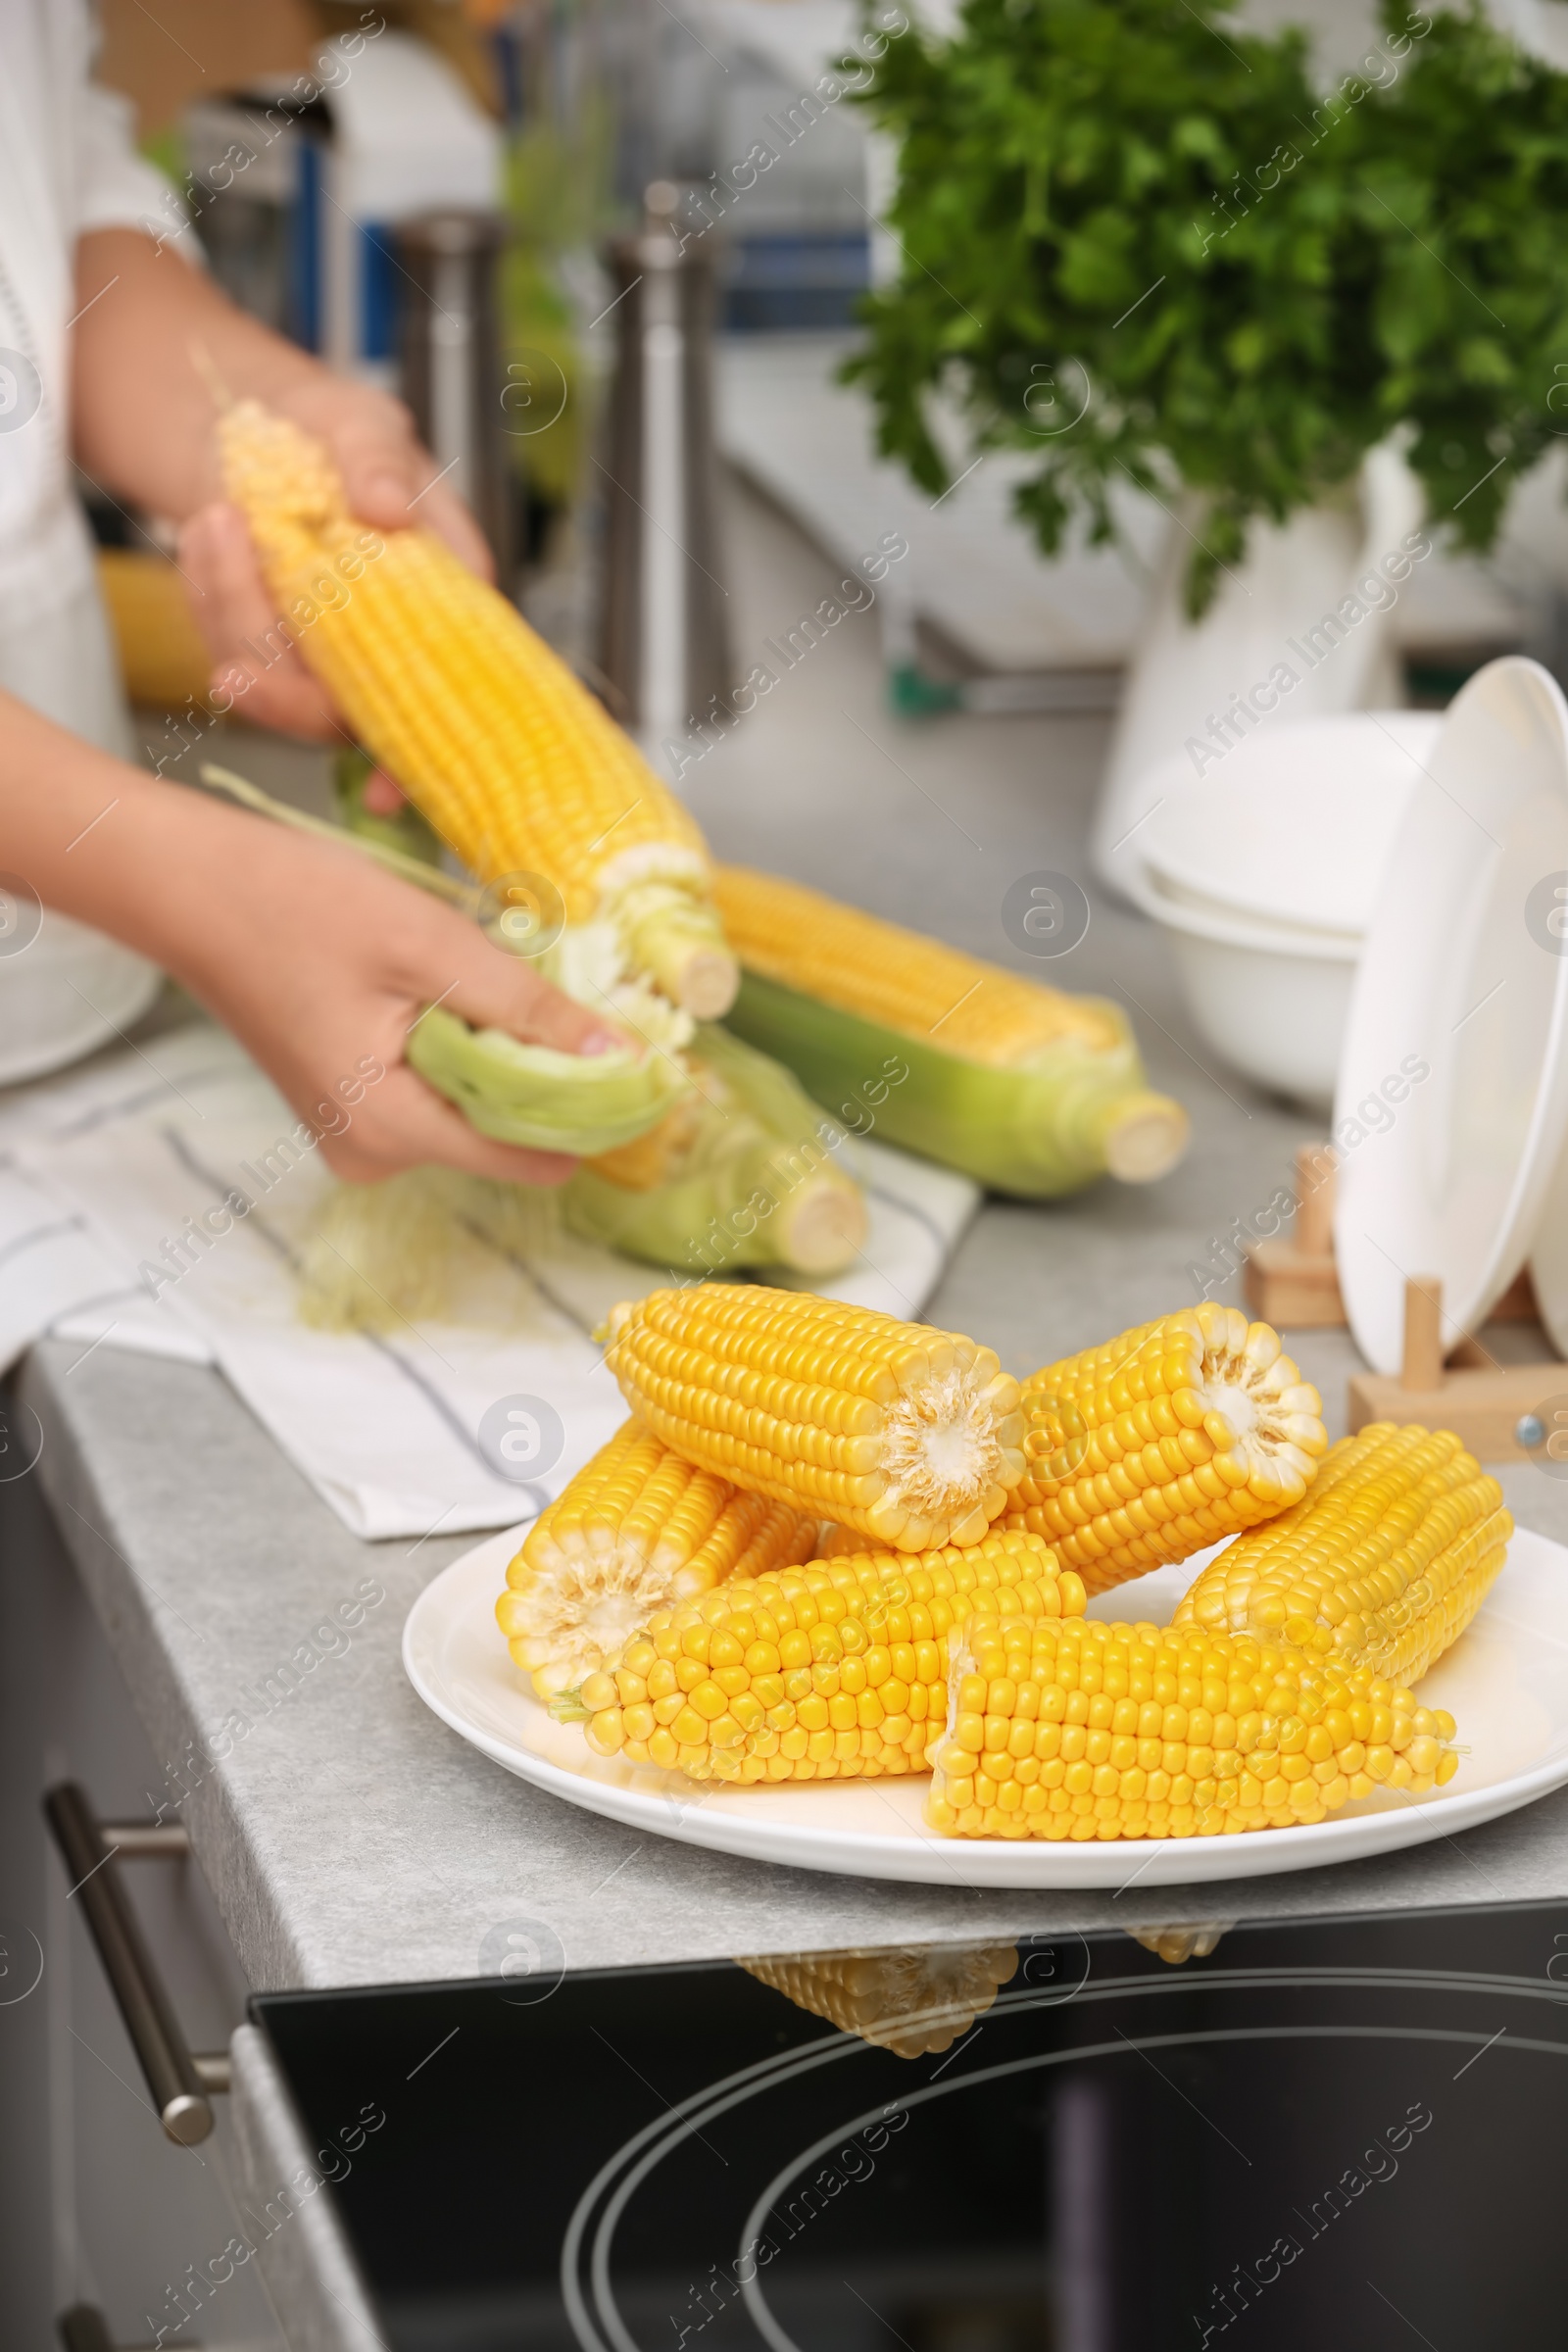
(663, 639)
(451, 360)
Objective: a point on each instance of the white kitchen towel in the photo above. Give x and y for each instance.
(105, 1181)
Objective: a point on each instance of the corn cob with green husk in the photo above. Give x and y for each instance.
(540, 795)
(1025, 1088)
(741, 1173)
(518, 1093)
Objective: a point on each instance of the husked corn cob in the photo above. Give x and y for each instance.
(1383, 1563)
(1025, 1088)
(1063, 1729)
(488, 732)
(910, 1434)
(833, 1671)
(637, 1529)
(1165, 1440)
(915, 2003)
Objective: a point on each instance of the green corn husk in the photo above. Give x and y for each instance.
(743, 1175)
(534, 1094)
(740, 1174)
(406, 832)
(1044, 1127)
(517, 1094)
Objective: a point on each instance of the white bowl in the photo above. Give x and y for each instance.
(1272, 998)
(1296, 822)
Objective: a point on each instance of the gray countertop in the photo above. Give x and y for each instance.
(347, 1835)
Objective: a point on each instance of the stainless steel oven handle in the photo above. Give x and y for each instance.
(182, 2082)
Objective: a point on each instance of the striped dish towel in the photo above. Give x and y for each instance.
(121, 1226)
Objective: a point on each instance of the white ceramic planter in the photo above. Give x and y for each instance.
(1295, 579)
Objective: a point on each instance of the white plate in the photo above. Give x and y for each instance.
(1549, 1261)
(1448, 1175)
(1506, 1683)
(1296, 825)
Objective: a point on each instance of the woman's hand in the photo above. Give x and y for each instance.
(318, 961)
(391, 481)
(323, 965)
(152, 333)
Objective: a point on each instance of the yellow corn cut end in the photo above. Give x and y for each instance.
(832, 1671)
(911, 1434)
(485, 728)
(915, 2003)
(1382, 1564)
(1165, 1440)
(936, 994)
(1066, 1729)
(637, 1529)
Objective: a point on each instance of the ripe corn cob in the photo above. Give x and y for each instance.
(915, 2003)
(1067, 1730)
(910, 1434)
(1024, 1088)
(1165, 1440)
(834, 1671)
(636, 1529)
(1383, 1564)
(488, 732)
(163, 658)
(740, 1173)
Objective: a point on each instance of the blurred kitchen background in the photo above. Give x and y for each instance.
(535, 222)
(437, 209)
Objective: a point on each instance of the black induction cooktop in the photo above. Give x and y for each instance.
(1335, 2136)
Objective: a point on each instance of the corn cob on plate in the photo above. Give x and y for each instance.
(635, 1531)
(1094, 1732)
(834, 1671)
(1506, 1684)
(1026, 1089)
(1163, 1441)
(910, 1434)
(1383, 1563)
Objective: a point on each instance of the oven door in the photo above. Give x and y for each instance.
(1340, 2134)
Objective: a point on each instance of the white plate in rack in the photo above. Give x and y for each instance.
(1451, 1107)
(1505, 1681)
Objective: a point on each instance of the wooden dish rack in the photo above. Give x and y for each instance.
(1502, 1412)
